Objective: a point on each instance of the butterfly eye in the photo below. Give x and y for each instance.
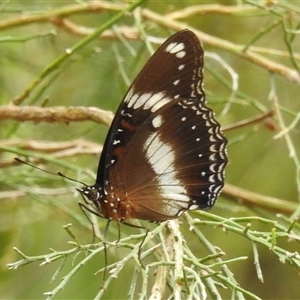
(165, 152)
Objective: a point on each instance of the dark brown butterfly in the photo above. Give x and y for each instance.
(165, 152)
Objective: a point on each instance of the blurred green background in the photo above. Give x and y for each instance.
(98, 75)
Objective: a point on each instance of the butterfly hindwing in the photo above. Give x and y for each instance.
(178, 161)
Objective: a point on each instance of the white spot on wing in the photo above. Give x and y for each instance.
(132, 100)
(157, 121)
(212, 139)
(213, 148)
(176, 82)
(147, 100)
(211, 178)
(157, 150)
(160, 104)
(181, 54)
(141, 100)
(161, 158)
(128, 96)
(175, 47)
(156, 101)
(213, 157)
(212, 168)
(194, 207)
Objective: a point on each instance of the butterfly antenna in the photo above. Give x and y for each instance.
(69, 178)
(52, 173)
(33, 166)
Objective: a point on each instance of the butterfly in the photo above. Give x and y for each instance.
(165, 152)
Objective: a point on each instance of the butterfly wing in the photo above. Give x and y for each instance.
(165, 152)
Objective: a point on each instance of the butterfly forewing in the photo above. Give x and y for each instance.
(175, 70)
(165, 152)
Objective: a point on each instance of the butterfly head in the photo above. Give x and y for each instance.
(95, 196)
(93, 193)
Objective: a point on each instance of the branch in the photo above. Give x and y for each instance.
(70, 27)
(56, 149)
(191, 11)
(68, 10)
(258, 200)
(55, 114)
